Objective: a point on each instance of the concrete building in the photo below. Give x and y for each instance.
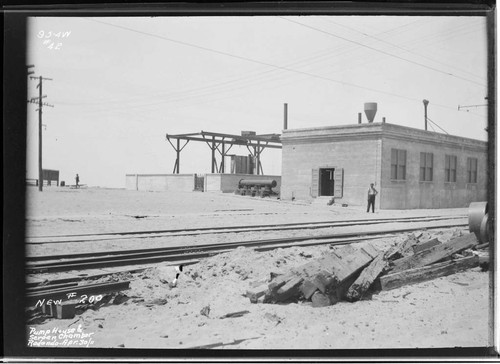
(209, 182)
(411, 168)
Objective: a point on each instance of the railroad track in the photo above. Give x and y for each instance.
(83, 238)
(192, 254)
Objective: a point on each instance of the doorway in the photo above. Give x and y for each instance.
(327, 181)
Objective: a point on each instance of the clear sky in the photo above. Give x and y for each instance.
(120, 84)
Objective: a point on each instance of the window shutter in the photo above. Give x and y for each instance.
(339, 182)
(315, 182)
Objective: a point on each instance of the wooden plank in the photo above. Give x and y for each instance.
(353, 263)
(435, 253)
(343, 269)
(66, 310)
(321, 281)
(290, 289)
(402, 249)
(324, 275)
(371, 250)
(417, 275)
(320, 300)
(366, 278)
(338, 292)
(234, 314)
(308, 288)
(254, 293)
(428, 244)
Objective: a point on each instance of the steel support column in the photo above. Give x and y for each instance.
(223, 153)
(214, 162)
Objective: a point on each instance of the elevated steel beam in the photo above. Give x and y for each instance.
(274, 139)
(234, 142)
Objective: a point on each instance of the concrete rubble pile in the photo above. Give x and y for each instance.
(350, 273)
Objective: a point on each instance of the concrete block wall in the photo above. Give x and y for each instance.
(412, 193)
(225, 182)
(360, 160)
(160, 182)
(364, 151)
(213, 182)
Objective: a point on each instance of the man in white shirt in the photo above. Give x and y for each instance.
(372, 192)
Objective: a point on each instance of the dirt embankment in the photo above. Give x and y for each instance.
(450, 311)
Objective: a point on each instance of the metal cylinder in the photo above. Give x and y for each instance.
(370, 110)
(484, 236)
(478, 220)
(258, 182)
(285, 117)
(359, 118)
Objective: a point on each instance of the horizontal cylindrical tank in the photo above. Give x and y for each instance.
(370, 110)
(478, 220)
(258, 182)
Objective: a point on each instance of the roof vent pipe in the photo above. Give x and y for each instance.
(370, 111)
(285, 116)
(359, 118)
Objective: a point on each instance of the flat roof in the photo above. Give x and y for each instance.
(376, 131)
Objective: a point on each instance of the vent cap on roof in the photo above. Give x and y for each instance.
(370, 111)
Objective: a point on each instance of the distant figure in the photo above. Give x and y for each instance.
(77, 179)
(372, 192)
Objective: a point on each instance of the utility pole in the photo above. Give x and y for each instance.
(426, 102)
(40, 106)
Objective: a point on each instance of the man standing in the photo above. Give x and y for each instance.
(372, 192)
(77, 179)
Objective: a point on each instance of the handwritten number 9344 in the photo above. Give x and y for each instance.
(48, 38)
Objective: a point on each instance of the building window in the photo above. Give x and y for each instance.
(471, 170)
(450, 168)
(426, 164)
(398, 164)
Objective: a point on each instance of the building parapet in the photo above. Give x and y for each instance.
(377, 131)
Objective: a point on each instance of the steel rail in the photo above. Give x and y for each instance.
(42, 287)
(236, 229)
(187, 249)
(178, 254)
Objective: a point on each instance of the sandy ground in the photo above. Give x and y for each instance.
(446, 312)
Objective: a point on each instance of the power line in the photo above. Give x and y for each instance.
(275, 67)
(258, 62)
(380, 51)
(402, 48)
(252, 78)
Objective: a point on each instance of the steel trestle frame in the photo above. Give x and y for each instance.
(216, 140)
